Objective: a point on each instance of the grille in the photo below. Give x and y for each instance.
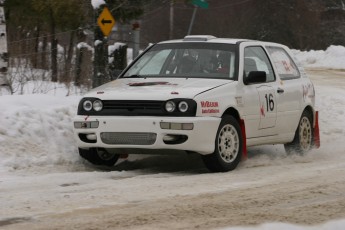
(132, 108)
(124, 138)
(132, 105)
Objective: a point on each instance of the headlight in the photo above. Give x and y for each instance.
(170, 106)
(97, 105)
(183, 106)
(87, 105)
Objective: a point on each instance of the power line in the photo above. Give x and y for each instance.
(45, 36)
(215, 7)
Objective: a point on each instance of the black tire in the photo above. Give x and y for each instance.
(98, 156)
(228, 147)
(303, 140)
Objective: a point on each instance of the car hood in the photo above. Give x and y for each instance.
(154, 88)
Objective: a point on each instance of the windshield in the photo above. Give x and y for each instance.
(199, 60)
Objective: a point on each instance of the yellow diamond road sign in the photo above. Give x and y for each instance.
(106, 21)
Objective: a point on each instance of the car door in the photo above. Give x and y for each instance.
(260, 98)
(291, 87)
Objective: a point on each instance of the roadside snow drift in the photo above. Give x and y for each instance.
(36, 131)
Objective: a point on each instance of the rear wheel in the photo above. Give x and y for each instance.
(302, 141)
(228, 147)
(99, 156)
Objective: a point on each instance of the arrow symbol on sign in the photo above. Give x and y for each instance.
(104, 21)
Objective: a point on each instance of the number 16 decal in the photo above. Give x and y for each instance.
(269, 102)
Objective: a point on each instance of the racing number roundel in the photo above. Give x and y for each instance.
(268, 111)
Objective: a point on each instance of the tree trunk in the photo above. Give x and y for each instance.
(79, 56)
(119, 62)
(54, 43)
(36, 48)
(44, 53)
(68, 62)
(53, 59)
(70, 48)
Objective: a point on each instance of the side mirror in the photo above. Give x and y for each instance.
(255, 77)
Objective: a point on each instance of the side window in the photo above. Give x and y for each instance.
(255, 59)
(284, 64)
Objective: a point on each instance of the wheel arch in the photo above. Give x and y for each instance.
(315, 125)
(310, 110)
(234, 112)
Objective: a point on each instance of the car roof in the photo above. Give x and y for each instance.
(212, 39)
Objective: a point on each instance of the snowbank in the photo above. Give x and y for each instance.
(36, 130)
(332, 225)
(332, 58)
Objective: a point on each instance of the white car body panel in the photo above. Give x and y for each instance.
(157, 88)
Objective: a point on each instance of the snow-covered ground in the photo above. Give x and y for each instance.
(45, 185)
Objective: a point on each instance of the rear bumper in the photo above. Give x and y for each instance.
(115, 132)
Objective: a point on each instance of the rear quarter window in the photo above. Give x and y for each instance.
(285, 66)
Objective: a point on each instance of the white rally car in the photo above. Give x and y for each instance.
(202, 94)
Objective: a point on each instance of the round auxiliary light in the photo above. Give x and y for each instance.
(97, 105)
(87, 105)
(170, 106)
(183, 106)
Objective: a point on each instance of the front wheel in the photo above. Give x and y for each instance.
(99, 156)
(302, 141)
(228, 147)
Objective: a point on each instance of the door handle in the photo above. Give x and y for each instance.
(280, 90)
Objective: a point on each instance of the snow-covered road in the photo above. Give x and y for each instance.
(45, 185)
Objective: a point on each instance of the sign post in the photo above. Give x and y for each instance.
(105, 23)
(197, 3)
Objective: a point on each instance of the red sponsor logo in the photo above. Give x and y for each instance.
(210, 110)
(308, 91)
(210, 107)
(209, 104)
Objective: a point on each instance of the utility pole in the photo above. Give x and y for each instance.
(171, 28)
(136, 38)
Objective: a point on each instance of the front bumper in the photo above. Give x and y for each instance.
(127, 132)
